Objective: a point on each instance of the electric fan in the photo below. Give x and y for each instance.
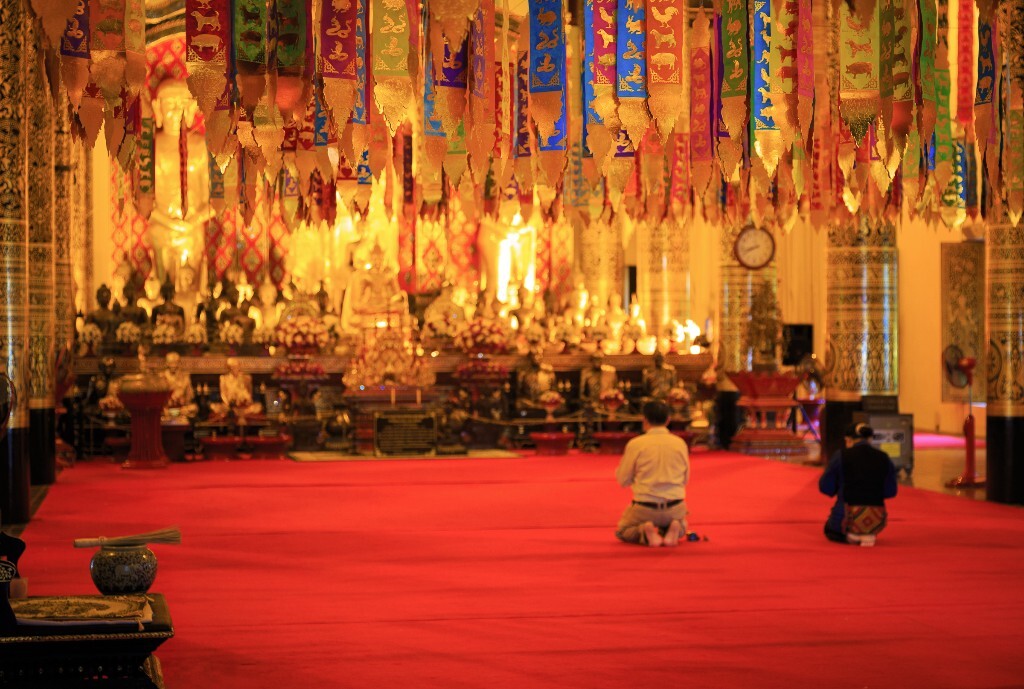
(959, 370)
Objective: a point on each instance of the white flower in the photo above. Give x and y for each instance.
(165, 334)
(230, 333)
(128, 333)
(196, 334)
(91, 335)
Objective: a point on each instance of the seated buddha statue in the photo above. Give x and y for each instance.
(443, 315)
(186, 293)
(595, 379)
(131, 312)
(235, 393)
(235, 312)
(99, 385)
(267, 293)
(182, 401)
(533, 378)
(102, 317)
(658, 378)
(373, 295)
(167, 311)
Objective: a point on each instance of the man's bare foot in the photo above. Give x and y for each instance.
(675, 530)
(652, 535)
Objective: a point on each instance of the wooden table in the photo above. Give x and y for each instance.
(86, 655)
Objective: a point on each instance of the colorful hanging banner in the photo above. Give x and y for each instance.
(944, 147)
(666, 38)
(207, 37)
(547, 77)
(342, 49)
(251, 52)
(735, 61)
(482, 90)
(767, 137)
(926, 60)
(902, 84)
(604, 33)
(985, 87)
(390, 64)
(106, 46)
(145, 166)
(435, 145)
(293, 61)
(805, 67)
(74, 53)
(1013, 153)
(701, 104)
(590, 115)
(858, 70)
(451, 77)
(135, 46)
(965, 86)
(631, 69)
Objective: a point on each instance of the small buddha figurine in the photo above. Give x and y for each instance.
(167, 311)
(533, 378)
(595, 379)
(131, 312)
(373, 295)
(105, 319)
(150, 297)
(182, 401)
(576, 310)
(442, 316)
(186, 294)
(236, 313)
(267, 304)
(659, 378)
(99, 385)
(615, 317)
(235, 393)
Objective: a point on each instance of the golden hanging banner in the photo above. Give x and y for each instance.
(666, 43)
(390, 61)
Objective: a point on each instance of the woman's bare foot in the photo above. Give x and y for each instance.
(652, 535)
(675, 530)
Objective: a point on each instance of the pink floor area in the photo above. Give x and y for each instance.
(936, 441)
(505, 573)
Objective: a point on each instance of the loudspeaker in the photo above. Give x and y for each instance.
(799, 341)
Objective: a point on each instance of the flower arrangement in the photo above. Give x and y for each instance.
(299, 370)
(164, 334)
(91, 336)
(480, 370)
(481, 335)
(111, 404)
(678, 397)
(301, 332)
(612, 398)
(230, 333)
(551, 399)
(263, 336)
(196, 334)
(128, 333)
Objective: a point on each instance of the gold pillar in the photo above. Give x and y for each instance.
(663, 269)
(602, 254)
(14, 457)
(40, 262)
(1005, 408)
(63, 198)
(81, 227)
(736, 351)
(862, 310)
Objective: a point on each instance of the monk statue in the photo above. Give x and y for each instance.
(167, 311)
(659, 378)
(533, 378)
(182, 401)
(235, 393)
(131, 312)
(373, 295)
(102, 317)
(99, 385)
(176, 225)
(595, 379)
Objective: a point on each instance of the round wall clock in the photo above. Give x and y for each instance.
(754, 247)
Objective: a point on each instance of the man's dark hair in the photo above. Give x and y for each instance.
(656, 413)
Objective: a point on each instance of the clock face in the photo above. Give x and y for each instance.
(754, 247)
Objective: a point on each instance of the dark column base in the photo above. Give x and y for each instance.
(1004, 478)
(727, 416)
(15, 498)
(835, 417)
(42, 433)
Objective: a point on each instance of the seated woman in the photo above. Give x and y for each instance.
(861, 478)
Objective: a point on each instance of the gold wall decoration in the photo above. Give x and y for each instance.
(963, 311)
(63, 191)
(13, 205)
(1006, 320)
(40, 229)
(862, 310)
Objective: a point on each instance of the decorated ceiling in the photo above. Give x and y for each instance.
(770, 109)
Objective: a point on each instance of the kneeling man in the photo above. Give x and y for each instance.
(657, 466)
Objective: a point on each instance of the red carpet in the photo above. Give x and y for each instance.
(505, 573)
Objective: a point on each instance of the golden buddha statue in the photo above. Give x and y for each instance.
(176, 225)
(659, 378)
(373, 295)
(533, 378)
(595, 379)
